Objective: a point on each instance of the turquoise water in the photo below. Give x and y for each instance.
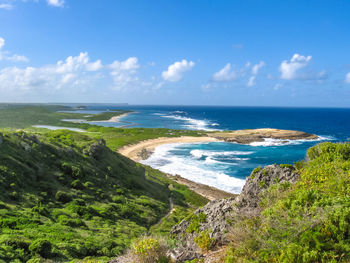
(226, 165)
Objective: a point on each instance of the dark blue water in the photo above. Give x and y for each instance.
(226, 165)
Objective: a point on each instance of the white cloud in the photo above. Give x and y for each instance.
(17, 58)
(123, 72)
(94, 66)
(2, 42)
(225, 74)
(290, 68)
(175, 71)
(251, 81)
(257, 67)
(6, 6)
(255, 71)
(347, 78)
(5, 55)
(57, 3)
(71, 73)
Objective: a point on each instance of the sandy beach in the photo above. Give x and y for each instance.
(116, 118)
(209, 192)
(133, 151)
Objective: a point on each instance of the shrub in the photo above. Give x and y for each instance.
(63, 197)
(76, 184)
(204, 241)
(255, 171)
(42, 247)
(149, 250)
(286, 165)
(195, 222)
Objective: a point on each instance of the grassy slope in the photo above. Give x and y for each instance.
(24, 116)
(59, 202)
(306, 222)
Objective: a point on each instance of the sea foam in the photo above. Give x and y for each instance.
(193, 169)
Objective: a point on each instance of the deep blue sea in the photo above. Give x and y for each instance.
(226, 165)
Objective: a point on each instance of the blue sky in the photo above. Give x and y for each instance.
(240, 53)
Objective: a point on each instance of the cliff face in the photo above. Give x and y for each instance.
(217, 217)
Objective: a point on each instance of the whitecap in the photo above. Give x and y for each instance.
(192, 169)
(280, 142)
(191, 123)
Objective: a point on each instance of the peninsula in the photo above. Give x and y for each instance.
(143, 149)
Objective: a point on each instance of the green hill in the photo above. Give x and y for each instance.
(66, 196)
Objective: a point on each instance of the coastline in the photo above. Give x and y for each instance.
(133, 151)
(207, 191)
(115, 118)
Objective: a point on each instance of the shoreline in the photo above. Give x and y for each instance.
(115, 118)
(144, 149)
(133, 151)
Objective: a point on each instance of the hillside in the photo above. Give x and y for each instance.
(285, 213)
(66, 196)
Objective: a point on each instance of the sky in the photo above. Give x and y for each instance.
(179, 52)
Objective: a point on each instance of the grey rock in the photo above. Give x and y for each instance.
(222, 214)
(96, 149)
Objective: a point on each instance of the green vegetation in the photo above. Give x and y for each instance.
(66, 196)
(105, 115)
(255, 171)
(204, 241)
(17, 116)
(305, 222)
(286, 165)
(149, 250)
(195, 222)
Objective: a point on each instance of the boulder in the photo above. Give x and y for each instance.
(222, 214)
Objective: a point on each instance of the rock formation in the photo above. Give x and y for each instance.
(219, 214)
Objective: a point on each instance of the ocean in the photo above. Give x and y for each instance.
(226, 165)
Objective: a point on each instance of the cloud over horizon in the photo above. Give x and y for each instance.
(176, 70)
(6, 55)
(289, 69)
(347, 78)
(56, 3)
(225, 74)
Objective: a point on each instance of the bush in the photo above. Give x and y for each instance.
(149, 250)
(204, 241)
(195, 222)
(286, 165)
(63, 197)
(42, 247)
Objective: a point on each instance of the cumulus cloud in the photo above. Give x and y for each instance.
(289, 69)
(123, 72)
(176, 71)
(70, 73)
(225, 74)
(255, 71)
(57, 3)
(6, 55)
(347, 78)
(251, 81)
(257, 67)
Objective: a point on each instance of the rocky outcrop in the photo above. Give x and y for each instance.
(144, 154)
(219, 215)
(96, 149)
(259, 135)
